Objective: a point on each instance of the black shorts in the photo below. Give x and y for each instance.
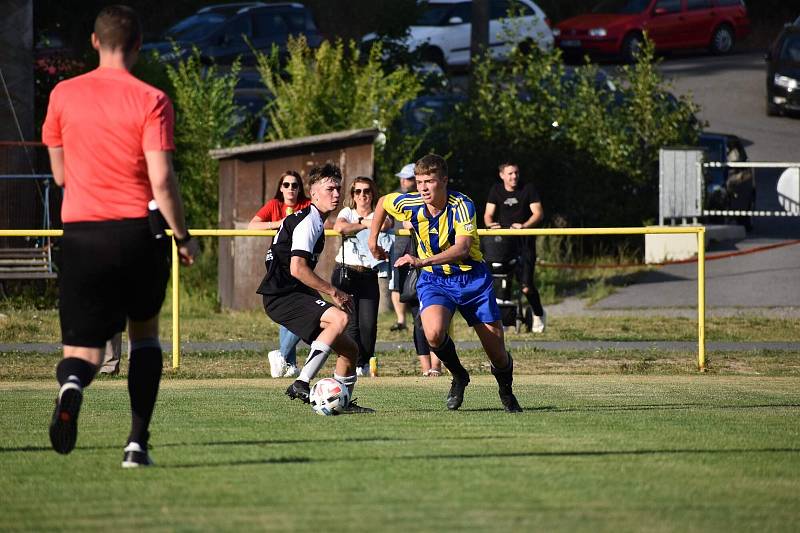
(298, 311)
(110, 271)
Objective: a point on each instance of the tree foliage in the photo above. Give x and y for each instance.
(204, 111)
(590, 147)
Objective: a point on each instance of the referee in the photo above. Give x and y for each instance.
(110, 137)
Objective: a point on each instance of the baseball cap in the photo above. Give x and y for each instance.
(407, 172)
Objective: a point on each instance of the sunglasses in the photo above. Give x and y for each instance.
(361, 191)
(294, 185)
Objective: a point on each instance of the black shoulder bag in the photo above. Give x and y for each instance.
(408, 294)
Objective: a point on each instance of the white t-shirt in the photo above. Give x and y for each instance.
(355, 253)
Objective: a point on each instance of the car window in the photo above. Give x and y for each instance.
(268, 24)
(438, 14)
(621, 6)
(463, 11)
(729, 2)
(498, 9)
(196, 27)
(790, 50)
(298, 21)
(693, 5)
(237, 27)
(670, 6)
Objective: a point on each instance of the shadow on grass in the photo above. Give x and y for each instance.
(468, 456)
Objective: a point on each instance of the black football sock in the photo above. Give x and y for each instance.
(73, 368)
(446, 352)
(504, 376)
(144, 376)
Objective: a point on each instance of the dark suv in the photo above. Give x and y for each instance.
(783, 72)
(219, 31)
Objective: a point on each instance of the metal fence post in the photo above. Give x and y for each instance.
(176, 296)
(701, 299)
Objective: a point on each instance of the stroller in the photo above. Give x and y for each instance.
(502, 257)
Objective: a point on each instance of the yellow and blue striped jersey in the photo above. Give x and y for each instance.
(436, 234)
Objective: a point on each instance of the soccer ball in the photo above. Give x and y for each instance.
(329, 397)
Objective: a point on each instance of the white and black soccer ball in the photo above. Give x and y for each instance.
(329, 397)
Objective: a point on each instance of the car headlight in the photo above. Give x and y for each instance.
(598, 32)
(786, 82)
(556, 32)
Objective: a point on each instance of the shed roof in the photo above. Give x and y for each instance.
(299, 142)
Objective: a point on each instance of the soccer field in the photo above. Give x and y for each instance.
(599, 453)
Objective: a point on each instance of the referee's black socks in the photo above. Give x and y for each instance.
(144, 376)
(72, 368)
(447, 353)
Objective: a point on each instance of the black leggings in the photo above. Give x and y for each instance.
(363, 324)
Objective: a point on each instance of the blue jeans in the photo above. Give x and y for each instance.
(288, 345)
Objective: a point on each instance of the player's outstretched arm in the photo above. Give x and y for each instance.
(166, 195)
(459, 251)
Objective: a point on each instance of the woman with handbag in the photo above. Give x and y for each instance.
(289, 198)
(355, 271)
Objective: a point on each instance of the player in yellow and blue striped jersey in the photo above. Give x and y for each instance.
(453, 274)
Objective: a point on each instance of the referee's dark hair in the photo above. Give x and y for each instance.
(118, 27)
(508, 163)
(328, 170)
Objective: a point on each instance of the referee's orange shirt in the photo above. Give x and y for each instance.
(105, 120)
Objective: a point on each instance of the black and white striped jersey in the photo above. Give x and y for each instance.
(301, 234)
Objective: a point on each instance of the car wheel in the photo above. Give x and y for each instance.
(630, 47)
(431, 54)
(772, 109)
(722, 40)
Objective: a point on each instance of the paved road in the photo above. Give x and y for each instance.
(731, 93)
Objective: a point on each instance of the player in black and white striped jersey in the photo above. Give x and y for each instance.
(291, 290)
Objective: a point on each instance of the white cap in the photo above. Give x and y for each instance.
(407, 172)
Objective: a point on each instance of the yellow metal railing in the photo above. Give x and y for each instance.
(698, 230)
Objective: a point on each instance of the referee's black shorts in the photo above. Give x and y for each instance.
(298, 311)
(110, 271)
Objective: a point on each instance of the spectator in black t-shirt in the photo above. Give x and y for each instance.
(512, 205)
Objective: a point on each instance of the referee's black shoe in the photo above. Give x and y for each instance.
(510, 403)
(299, 389)
(64, 425)
(456, 395)
(136, 456)
(354, 409)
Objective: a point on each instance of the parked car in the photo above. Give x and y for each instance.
(616, 27)
(783, 72)
(221, 32)
(728, 188)
(443, 30)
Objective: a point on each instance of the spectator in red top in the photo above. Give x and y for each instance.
(289, 198)
(110, 141)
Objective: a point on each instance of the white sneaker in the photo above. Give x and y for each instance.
(539, 323)
(362, 371)
(291, 371)
(276, 363)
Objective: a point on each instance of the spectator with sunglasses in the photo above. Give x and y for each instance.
(289, 198)
(355, 271)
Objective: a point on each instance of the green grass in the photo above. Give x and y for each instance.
(590, 453)
(41, 325)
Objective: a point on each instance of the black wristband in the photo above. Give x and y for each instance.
(183, 240)
(360, 220)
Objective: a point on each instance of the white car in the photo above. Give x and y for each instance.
(445, 26)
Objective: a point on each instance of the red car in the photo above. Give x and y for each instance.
(616, 27)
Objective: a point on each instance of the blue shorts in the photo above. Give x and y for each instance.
(472, 293)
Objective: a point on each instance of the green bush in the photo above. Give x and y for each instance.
(204, 111)
(592, 153)
(335, 88)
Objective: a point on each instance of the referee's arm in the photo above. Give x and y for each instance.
(57, 164)
(166, 195)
